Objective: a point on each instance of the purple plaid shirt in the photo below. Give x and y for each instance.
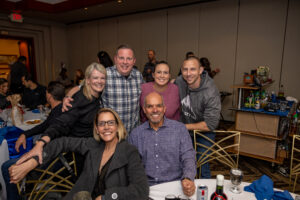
(167, 154)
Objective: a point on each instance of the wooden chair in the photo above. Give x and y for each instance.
(50, 180)
(295, 161)
(224, 149)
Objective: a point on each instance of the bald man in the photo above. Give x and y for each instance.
(165, 146)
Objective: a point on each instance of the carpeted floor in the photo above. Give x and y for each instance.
(253, 169)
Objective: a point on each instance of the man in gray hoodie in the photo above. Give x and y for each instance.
(200, 103)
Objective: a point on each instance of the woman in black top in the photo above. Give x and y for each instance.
(112, 168)
(78, 120)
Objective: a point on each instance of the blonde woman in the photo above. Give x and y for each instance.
(112, 168)
(78, 121)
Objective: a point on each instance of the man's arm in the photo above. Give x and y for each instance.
(202, 126)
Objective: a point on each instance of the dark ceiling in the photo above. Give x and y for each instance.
(73, 11)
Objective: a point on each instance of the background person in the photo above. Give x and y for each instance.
(4, 102)
(34, 94)
(149, 66)
(17, 70)
(206, 65)
(55, 93)
(104, 59)
(112, 168)
(79, 76)
(168, 90)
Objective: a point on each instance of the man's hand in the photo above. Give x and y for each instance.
(188, 187)
(18, 172)
(36, 151)
(21, 141)
(66, 103)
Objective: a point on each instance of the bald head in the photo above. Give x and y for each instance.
(154, 109)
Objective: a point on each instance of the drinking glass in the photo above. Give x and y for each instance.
(236, 176)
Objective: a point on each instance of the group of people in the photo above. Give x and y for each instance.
(101, 123)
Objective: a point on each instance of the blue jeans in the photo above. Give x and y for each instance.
(11, 188)
(205, 171)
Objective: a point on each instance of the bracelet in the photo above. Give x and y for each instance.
(42, 140)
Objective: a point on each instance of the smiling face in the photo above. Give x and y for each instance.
(162, 74)
(96, 82)
(154, 109)
(107, 127)
(191, 72)
(124, 61)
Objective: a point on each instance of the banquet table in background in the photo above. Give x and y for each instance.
(158, 192)
(4, 153)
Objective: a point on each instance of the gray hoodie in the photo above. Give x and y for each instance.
(200, 104)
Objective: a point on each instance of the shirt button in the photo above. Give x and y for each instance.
(155, 144)
(156, 155)
(156, 167)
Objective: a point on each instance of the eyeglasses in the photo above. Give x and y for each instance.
(109, 123)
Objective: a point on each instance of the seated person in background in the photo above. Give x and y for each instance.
(17, 70)
(168, 90)
(63, 76)
(33, 94)
(55, 94)
(165, 146)
(4, 102)
(112, 168)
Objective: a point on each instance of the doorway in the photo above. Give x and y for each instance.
(11, 48)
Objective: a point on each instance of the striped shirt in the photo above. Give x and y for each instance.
(122, 94)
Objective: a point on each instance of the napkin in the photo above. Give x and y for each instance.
(285, 195)
(263, 189)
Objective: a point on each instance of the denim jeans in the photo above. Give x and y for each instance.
(11, 189)
(205, 170)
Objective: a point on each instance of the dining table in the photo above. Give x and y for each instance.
(28, 115)
(160, 191)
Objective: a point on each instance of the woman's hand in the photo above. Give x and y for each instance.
(18, 172)
(36, 151)
(66, 103)
(21, 141)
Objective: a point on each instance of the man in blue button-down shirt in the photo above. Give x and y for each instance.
(165, 146)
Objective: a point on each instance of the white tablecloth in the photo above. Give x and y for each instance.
(4, 154)
(158, 192)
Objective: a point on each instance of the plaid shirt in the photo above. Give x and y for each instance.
(122, 95)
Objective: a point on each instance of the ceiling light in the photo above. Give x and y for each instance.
(119, 1)
(85, 8)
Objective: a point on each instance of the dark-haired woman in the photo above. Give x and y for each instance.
(168, 90)
(3, 93)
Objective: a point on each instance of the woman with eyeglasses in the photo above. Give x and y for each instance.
(112, 168)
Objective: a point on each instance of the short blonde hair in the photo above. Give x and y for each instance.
(121, 131)
(86, 88)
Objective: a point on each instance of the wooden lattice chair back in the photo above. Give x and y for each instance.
(224, 149)
(51, 179)
(295, 162)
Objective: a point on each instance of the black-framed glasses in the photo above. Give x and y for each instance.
(109, 123)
